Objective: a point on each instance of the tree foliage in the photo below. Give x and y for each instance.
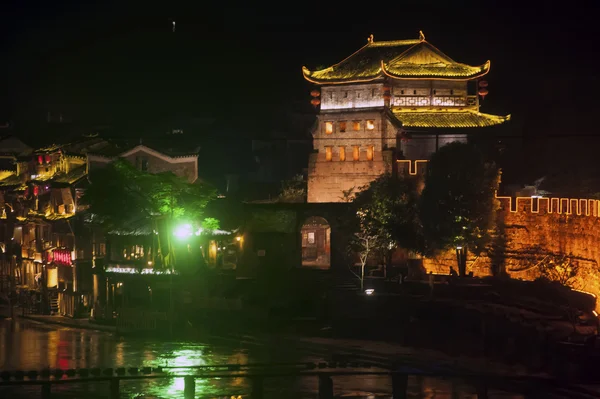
(383, 215)
(120, 196)
(457, 206)
(560, 268)
(293, 190)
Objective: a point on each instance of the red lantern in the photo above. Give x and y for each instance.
(36, 190)
(315, 101)
(48, 158)
(40, 159)
(315, 93)
(483, 83)
(387, 96)
(483, 92)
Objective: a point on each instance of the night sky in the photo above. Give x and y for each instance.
(122, 65)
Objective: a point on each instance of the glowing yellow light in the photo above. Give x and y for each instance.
(356, 152)
(328, 154)
(238, 238)
(370, 151)
(370, 125)
(412, 170)
(149, 263)
(328, 127)
(342, 153)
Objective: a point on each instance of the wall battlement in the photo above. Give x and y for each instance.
(545, 205)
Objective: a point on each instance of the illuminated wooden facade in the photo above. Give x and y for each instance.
(389, 100)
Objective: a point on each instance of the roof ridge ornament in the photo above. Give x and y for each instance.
(370, 39)
(421, 36)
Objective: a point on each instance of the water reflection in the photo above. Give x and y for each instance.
(33, 346)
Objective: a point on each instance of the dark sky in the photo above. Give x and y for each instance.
(115, 63)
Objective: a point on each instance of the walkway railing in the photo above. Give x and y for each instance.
(257, 373)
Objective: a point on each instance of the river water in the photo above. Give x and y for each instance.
(27, 345)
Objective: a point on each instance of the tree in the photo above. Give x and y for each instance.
(293, 190)
(457, 206)
(122, 198)
(560, 268)
(384, 216)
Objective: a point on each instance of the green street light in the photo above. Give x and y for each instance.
(182, 231)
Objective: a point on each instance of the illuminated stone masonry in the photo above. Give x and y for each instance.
(375, 100)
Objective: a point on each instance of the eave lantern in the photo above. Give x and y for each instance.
(315, 93)
(315, 101)
(482, 89)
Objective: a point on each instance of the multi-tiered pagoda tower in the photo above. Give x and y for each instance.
(389, 100)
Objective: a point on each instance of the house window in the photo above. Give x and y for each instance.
(434, 91)
(141, 163)
(342, 153)
(356, 152)
(328, 127)
(345, 94)
(356, 126)
(343, 126)
(372, 92)
(414, 92)
(370, 150)
(451, 92)
(358, 94)
(401, 91)
(328, 155)
(370, 124)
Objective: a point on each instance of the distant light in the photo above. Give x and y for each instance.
(238, 238)
(536, 196)
(595, 314)
(149, 263)
(199, 231)
(459, 247)
(369, 291)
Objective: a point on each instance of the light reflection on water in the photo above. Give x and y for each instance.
(33, 346)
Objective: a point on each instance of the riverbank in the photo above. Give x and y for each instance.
(57, 320)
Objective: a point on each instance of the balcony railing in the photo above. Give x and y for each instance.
(434, 101)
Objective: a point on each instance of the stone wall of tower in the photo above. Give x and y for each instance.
(327, 180)
(351, 149)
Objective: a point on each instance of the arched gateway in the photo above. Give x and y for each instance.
(316, 243)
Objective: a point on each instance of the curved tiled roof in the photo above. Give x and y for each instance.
(448, 119)
(400, 59)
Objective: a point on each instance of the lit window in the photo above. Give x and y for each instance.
(328, 127)
(356, 152)
(343, 126)
(342, 153)
(370, 150)
(328, 156)
(356, 126)
(370, 125)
